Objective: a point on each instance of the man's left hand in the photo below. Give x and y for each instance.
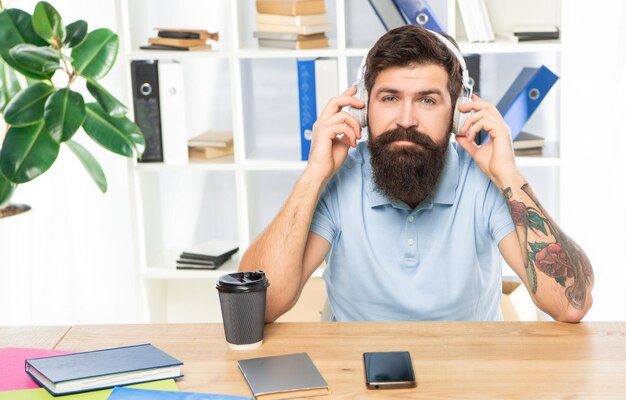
(495, 158)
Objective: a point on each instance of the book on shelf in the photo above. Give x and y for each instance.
(294, 44)
(177, 42)
(212, 139)
(100, 369)
(293, 7)
(288, 36)
(525, 140)
(209, 153)
(284, 376)
(179, 33)
(292, 20)
(207, 46)
(121, 393)
(213, 249)
(537, 151)
(301, 30)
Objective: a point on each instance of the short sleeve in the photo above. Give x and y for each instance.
(324, 223)
(497, 213)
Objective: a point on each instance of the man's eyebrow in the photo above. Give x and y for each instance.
(425, 92)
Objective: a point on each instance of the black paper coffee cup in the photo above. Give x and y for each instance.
(242, 300)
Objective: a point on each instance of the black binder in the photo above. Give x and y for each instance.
(145, 76)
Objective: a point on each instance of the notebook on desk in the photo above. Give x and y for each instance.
(283, 377)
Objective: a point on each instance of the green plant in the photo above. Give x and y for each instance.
(42, 113)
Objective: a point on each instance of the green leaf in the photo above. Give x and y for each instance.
(27, 152)
(16, 28)
(64, 113)
(109, 104)
(27, 106)
(532, 277)
(48, 23)
(90, 163)
(9, 85)
(76, 32)
(95, 56)
(119, 135)
(537, 247)
(561, 280)
(6, 190)
(36, 60)
(536, 222)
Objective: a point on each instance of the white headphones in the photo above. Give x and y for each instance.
(458, 118)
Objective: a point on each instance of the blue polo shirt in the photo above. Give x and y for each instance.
(388, 262)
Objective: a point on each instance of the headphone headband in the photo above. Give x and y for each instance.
(453, 49)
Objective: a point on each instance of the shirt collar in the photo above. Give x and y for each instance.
(443, 193)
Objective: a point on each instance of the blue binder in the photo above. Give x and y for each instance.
(307, 104)
(523, 97)
(395, 13)
(419, 12)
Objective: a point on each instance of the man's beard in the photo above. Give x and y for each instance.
(406, 173)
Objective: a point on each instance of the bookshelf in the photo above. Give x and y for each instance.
(253, 92)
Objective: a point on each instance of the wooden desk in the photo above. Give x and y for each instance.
(452, 360)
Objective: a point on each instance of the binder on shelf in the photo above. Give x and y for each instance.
(395, 13)
(523, 97)
(159, 108)
(318, 81)
(419, 12)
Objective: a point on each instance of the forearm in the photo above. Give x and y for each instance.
(557, 271)
(279, 250)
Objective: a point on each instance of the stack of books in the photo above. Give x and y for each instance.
(208, 255)
(292, 24)
(181, 39)
(527, 144)
(211, 144)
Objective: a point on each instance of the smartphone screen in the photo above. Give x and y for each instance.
(389, 370)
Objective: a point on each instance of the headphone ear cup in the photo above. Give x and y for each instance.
(360, 114)
(459, 118)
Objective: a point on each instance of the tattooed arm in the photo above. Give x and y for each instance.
(553, 267)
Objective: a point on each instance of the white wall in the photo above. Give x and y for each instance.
(594, 166)
(83, 267)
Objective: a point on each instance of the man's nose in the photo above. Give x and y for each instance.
(407, 115)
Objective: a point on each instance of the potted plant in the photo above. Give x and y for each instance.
(41, 59)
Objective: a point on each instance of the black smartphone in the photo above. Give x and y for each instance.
(389, 370)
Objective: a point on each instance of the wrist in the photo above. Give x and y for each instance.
(512, 179)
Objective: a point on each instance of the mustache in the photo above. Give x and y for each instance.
(408, 134)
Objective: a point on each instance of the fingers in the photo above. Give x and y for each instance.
(339, 124)
(345, 99)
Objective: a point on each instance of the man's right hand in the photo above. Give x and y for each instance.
(334, 132)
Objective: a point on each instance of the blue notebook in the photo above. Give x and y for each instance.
(80, 372)
(140, 394)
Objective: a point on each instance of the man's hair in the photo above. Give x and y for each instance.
(412, 45)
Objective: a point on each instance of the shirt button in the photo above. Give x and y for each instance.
(411, 218)
(411, 241)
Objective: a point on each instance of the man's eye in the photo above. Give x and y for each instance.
(428, 100)
(388, 98)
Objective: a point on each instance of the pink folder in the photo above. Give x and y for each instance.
(13, 375)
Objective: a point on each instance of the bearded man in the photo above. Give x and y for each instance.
(411, 224)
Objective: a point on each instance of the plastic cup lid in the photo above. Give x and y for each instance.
(242, 282)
